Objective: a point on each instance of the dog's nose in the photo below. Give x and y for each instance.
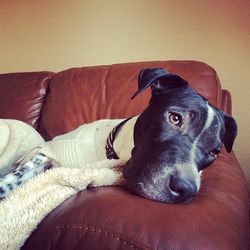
(182, 189)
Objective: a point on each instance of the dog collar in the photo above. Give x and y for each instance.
(110, 152)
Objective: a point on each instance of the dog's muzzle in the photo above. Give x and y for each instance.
(177, 184)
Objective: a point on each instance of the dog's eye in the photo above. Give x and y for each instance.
(175, 119)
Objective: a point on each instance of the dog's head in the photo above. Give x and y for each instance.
(176, 136)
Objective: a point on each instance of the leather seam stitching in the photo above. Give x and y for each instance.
(104, 231)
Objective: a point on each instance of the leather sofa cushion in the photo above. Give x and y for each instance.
(22, 95)
(112, 218)
(105, 91)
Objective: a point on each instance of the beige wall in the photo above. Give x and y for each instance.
(57, 34)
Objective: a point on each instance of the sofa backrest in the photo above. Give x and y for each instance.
(22, 96)
(58, 103)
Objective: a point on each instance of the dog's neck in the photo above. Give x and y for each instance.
(124, 141)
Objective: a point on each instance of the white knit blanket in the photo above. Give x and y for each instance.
(26, 206)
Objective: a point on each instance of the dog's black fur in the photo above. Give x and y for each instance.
(172, 142)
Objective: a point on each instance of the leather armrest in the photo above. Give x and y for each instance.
(226, 102)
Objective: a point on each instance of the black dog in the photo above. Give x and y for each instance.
(177, 136)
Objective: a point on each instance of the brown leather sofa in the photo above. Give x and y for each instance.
(111, 217)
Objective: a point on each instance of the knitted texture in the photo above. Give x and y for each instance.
(85, 144)
(79, 159)
(16, 139)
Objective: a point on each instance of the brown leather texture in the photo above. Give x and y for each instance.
(22, 96)
(111, 217)
(226, 101)
(105, 91)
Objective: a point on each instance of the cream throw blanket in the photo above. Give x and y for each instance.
(26, 206)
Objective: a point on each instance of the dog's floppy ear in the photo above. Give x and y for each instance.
(231, 132)
(159, 79)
